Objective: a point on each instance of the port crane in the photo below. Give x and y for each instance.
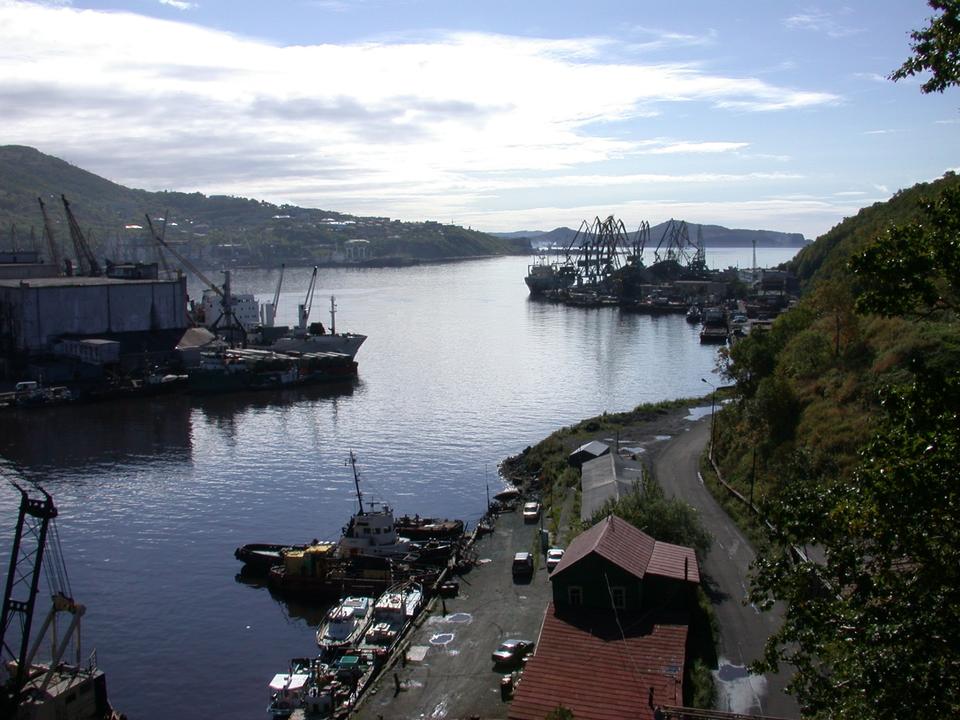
(269, 315)
(86, 260)
(51, 239)
(234, 330)
(31, 688)
(303, 311)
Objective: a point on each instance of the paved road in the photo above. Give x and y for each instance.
(448, 673)
(743, 629)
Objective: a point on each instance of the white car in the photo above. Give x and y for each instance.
(531, 511)
(554, 556)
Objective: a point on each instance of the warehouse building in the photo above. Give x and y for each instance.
(42, 316)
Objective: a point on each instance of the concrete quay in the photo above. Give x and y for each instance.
(445, 671)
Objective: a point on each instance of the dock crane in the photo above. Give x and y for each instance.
(161, 243)
(234, 329)
(56, 688)
(86, 260)
(51, 239)
(303, 311)
(269, 312)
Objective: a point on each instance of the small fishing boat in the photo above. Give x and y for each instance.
(426, 528)
(393, 614)
(344, 624)
(287, 691)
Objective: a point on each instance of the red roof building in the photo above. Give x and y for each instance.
(586, 663)
(613, 643)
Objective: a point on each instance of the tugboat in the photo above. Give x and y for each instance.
(371, 532)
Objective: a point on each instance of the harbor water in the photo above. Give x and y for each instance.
(460, 370)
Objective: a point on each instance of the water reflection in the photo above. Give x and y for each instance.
(85, 438)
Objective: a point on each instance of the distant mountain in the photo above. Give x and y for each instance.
(713, 236)
(216, 228)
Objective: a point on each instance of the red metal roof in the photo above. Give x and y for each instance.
(621, 543)
(584, 662)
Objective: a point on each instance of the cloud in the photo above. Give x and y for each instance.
(816, 20)
(882, 188)
(698, 147)
(178, 4)
(405, 129)
(872, 77)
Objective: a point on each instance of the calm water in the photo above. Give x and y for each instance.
(460, 370)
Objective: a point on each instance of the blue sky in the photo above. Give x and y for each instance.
(496, 115)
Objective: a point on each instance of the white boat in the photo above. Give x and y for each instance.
(373, 531)
(392, 614)
(344, 624)
(287, 692)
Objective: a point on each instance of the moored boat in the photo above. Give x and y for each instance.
(393, 613)
(247, 369)
(425, 528)
(344, 625)
(258, 558)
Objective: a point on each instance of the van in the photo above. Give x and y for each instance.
(26, 386)
(522, 564)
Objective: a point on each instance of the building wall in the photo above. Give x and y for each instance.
(33, 316)
(592, 575)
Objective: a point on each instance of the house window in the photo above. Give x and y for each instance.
(575, 595)
(619, 596)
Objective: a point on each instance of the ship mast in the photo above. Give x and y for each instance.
(356, 480)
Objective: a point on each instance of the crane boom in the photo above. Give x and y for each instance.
(183, 260)
(304, 314)
(51, 240)
(272, 312)
(80, 245)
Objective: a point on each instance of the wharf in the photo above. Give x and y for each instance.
(444, 669)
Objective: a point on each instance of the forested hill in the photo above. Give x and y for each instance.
(828, 256)
(260, 232)
(845, 431)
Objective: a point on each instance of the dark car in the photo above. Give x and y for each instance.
(511, 651)
(522, 565)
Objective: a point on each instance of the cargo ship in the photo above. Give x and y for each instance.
(249, 369)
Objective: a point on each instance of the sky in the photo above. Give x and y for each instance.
(501, 116)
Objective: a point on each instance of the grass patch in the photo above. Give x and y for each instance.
(699, 690)
(744, 518)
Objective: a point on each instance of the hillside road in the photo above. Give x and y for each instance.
(743, 628)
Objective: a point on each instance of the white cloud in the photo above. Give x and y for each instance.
(409, 127)
(882, 188)
(698, 147)
(178, 4)
(817, 20)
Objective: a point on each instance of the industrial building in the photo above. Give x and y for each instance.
(44, 316)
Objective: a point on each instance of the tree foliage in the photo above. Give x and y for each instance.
(873, 626)
(915, 268)
(666, 519)
(872, 622)
(936, 49)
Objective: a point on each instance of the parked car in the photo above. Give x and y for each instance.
(531, 511)
(511, 651)
(522, 564)
(554, 556)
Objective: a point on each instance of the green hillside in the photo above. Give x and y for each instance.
(845, 429)
(217, 227)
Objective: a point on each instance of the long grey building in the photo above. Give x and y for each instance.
(37, 312)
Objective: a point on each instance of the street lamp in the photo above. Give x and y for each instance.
(713, 420)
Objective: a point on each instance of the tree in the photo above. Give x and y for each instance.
(872, 622)
(662, 518)
(873, 628)
(936, 48)
(914, 269)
